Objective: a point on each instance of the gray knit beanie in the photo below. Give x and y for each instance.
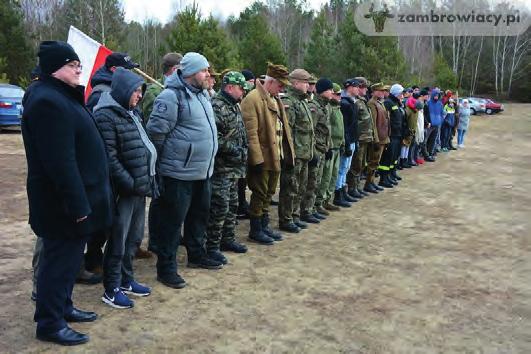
(193, 63)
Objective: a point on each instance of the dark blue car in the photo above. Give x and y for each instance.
(10, 105)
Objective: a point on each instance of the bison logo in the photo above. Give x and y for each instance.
(379, 17)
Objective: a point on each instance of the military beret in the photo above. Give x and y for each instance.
(336, 88)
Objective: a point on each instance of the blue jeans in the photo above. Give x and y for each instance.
(461, 136)
(344, 166)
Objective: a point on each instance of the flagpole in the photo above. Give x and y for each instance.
(146, 76)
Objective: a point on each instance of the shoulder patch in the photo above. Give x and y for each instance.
(161, 107)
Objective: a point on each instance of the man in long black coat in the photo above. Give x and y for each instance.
(68, 186)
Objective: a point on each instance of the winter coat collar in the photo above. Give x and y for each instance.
(292, 91)
(222, 95)
(77, 93)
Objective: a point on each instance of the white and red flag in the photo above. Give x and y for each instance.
(91, 54)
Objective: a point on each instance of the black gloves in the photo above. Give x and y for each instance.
(329, 154)
(257, 168)
(314, 161)
(348, 152)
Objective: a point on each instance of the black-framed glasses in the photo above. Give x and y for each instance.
(75, 66)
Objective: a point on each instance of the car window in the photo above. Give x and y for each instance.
(11, 92)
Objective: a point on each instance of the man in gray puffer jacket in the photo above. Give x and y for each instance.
(183, 129)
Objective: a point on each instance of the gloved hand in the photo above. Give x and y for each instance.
(257, 168)
(357, 146)
(329, 154)
(314, 161)
(342, 150)
(348, 152)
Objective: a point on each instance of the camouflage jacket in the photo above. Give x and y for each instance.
(152, 91)
(321, 110)
(337, 130)
(365, 127)
(300, 122)
(231, 158)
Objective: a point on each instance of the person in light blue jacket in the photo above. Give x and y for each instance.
(464, 123)
(183, 129)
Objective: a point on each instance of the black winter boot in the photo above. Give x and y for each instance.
(369, 188)
(339, 200)
(347, 197)
(354, 193)
(389, 178)
(268, 230)
(395, 175)
(257, 235)
(384, 180)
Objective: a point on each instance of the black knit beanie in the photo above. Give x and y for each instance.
(323, 84)
(53, 55)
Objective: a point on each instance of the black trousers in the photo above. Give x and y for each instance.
(59, 265)
(94, 255)
(153, 224)
(182, 202)
(242, 186)
(431, 139)
(391, 154)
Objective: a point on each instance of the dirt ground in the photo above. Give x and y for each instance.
(435, 265)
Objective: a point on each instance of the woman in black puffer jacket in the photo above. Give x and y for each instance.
(132, 159)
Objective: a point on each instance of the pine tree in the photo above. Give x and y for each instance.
(256, 44)
(191, 33)
(320, 56)
(18, 58)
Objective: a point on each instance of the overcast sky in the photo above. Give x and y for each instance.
(163, 10)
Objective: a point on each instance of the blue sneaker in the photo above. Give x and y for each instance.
(117, 299)
(134, 288)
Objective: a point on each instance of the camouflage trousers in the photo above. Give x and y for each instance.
(293, 182)
(223, 208)
(358, 163)
(374, 154)
(315, 174)
(328, 180)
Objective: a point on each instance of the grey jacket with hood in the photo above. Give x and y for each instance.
(183, 129)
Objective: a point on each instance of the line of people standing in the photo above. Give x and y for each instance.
(90, 170)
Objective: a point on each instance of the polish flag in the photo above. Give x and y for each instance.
(91, 54)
